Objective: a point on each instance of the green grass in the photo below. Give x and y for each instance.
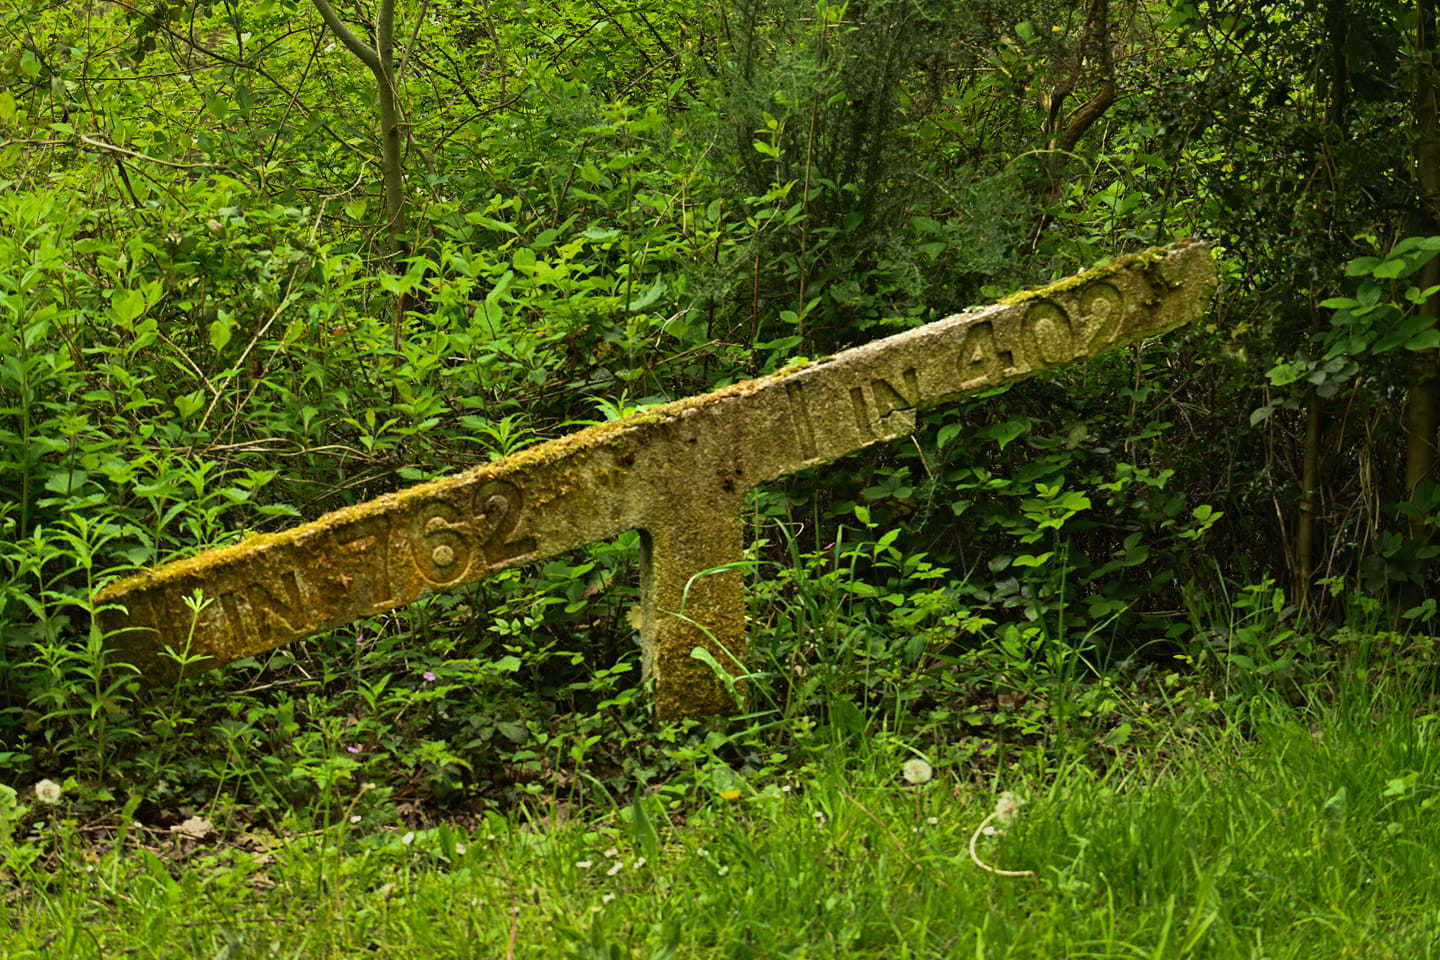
(1280, 832)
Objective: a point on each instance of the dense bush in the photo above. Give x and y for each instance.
(208, 332)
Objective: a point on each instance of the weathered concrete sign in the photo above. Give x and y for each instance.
(677, 473)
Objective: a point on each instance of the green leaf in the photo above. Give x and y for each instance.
(390, 283)
(1030, 560)
(221, 330)
(646, 836)
(846, 716)
(190, 403)
(1004, 433)
(1361, 266)
(126, 305)
(651, 294)
(30, 64)
(600, 234)
(1119, 736)
(1424, 340)
(66, 482)
(490, 223)
(946, 434)
(7, 107)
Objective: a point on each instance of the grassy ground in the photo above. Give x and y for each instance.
(1276, 832)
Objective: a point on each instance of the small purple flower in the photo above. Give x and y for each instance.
(429, 676)
(352, 748)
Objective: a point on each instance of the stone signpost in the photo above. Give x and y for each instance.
(677, 473)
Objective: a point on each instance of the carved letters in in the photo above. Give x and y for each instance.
(885, 398)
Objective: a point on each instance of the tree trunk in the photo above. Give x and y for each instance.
(1309, 499)
(390, 135)
(1093, 55)
(1422, 413)
(380, 60)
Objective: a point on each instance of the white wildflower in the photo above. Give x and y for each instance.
(607, 898)
(639, 862)
(408, 839)
(619, 865)
(584, 864)
(47, 791)
(917, 771)
(355, 818)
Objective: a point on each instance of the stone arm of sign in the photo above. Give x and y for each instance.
(677, 473)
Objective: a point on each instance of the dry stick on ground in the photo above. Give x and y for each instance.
(975, 838)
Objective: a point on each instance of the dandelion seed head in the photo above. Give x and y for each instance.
(1007, 807)
(917, 771)
(47, 791)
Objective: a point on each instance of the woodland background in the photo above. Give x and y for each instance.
(262, 260)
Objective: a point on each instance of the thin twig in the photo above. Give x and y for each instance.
(104, 145)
